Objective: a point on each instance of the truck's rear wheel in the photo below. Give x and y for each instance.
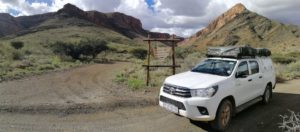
(223, 116)
(267, 94)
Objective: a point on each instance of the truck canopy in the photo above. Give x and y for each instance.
(241, 52)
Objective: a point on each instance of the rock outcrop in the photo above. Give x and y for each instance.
(223, 19)
(239, 26)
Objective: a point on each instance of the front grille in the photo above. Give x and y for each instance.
(176, 90)
(173, 102)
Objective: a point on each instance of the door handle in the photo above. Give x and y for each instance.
(260, 76)
(249, 80)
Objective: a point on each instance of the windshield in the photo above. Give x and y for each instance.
(216, 67)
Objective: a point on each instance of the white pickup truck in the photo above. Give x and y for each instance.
(218, 87)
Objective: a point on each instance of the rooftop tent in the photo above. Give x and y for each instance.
(263, 52)
(237, 52)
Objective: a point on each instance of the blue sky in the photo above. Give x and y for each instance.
(13, 12)
(181, 17)
(150, 4)
(49, 2)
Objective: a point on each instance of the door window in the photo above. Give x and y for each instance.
(243, 70)
(254, 67)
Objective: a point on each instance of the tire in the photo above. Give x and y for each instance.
(267, 95)
(223, 116)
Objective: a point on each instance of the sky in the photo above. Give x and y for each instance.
(180, 17)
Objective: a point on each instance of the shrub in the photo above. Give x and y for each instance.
(16, 55)
(135, 84)
(92, 47)
(28, 52)
(139, 53)
(183, 52)
(287, 72)
(282, 59)
(55, 60)
(120, 78)
(46, 67)
(294, 69)
(293, 54)
(87, 48)
(180, 53)
(17, 44)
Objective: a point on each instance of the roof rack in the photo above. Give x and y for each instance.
(242, 52)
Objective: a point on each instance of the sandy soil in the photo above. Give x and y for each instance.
(148, 117)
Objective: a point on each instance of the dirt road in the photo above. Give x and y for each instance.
(148, 118)
(152, 118)
(80, 90)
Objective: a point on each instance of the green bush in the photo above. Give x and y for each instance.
(183, 52)
(120, 78)
(139, 53)
(135, 84)
(282, 59)
(92, 47)
(286, 72)
(55, 61)
(294, 69)
(17, 55)
(17, 44)
(46, 67)
(294, 54)
(86, 48)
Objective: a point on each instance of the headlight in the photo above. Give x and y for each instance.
(206, 92)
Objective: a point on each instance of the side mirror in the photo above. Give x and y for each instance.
(240, 75)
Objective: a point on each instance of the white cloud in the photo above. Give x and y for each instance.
(99, 5)
(182, 7)
(3, 7)
(183, 17)
(184, 32)
(24, 7)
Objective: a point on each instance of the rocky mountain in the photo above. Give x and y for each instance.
(8, 24)
(124, 24)
(239, 26)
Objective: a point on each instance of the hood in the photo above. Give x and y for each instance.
(194, 80)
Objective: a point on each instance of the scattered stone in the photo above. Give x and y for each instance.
(24, 64)
(146, 91)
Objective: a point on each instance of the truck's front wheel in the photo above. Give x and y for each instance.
(223, 116)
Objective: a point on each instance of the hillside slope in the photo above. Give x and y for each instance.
(44, 39)
(239, 26)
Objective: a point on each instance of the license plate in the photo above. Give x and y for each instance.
(170, 107)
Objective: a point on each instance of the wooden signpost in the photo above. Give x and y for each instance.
(173, 41)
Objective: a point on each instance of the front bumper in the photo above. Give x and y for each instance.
(190, 106)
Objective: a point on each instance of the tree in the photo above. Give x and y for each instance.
(139, 53)
(17, 44)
